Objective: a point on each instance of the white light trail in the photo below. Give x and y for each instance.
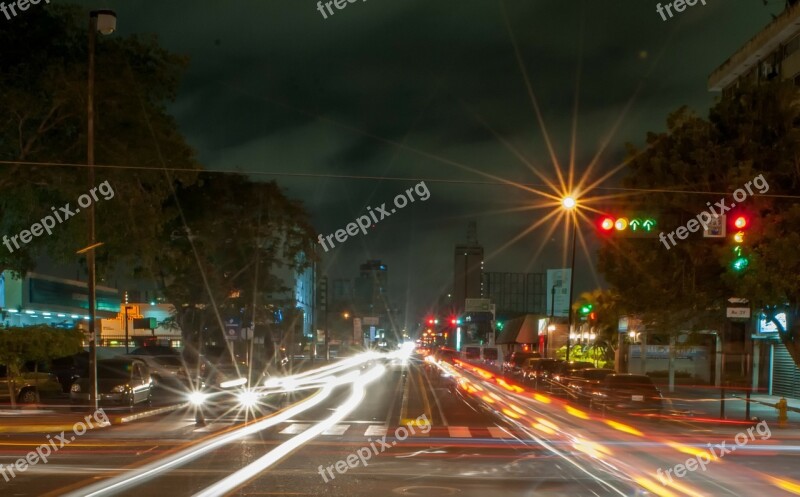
(252, 470)
(137, 476)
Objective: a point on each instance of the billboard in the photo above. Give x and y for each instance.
(558, 292)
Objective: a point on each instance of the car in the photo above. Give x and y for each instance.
(539, 372)
(70, 369)
(28, 386)
(123, 382)
(222, 388)
(165, 369)
(628, 393)
(565, 372)
(582, 386)
(517, 360)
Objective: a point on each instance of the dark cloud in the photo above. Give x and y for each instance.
(274, 87)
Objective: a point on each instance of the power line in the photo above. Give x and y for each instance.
(381, 178)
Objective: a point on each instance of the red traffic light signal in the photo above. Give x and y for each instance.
(740, 222)
(634, 226)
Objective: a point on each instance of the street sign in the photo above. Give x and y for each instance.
(738, 312)
(716, 227)
(232, 328)
(738, 300)
(369, 321)
(477, 305)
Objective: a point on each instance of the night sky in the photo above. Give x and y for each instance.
(432, 89)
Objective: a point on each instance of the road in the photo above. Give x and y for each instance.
(520, 443)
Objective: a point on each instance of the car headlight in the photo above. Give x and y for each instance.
(248, 398)
(75, 388)
(197, 398)
(120, 389)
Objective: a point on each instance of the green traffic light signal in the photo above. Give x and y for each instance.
(740, 264)
(586, 309)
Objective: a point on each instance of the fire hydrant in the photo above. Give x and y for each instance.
(782, 410)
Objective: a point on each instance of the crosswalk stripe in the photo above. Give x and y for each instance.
(375, 431)
(459, 432)
(498, 432)
(336, 430)
(295, 428)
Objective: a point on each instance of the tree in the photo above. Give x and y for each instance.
(43, 92)
(220, 256)
(34, 343)
(753, 132)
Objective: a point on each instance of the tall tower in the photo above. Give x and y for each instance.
(468, 269)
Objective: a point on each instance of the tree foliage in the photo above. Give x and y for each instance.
(35, 343)
(221, 255)
(43, 93)
(695, 163)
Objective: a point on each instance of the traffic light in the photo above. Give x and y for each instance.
(740, 259)
(453, 321)
(639, 226)
(586, 309)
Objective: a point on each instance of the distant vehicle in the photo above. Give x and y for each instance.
(446, 355)
(628, 393)
(517, 360)
(122, 382)
(487, 355)
(539, 372)
(582, 387)
(157, 350)
(565, 372)
(165, 369)
(28, 386)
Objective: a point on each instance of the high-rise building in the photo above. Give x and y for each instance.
(371, 287)
(468, 269)
(516, 293)
(773, 53)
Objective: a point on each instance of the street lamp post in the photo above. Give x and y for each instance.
(570, 203)
(104, 21)
(126, 327)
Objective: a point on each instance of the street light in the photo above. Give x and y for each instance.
(104, 21)
(569, 203)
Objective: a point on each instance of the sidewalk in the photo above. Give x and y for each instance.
(705, 402)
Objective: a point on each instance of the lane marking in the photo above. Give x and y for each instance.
(336, 430)
(295, 428)
(376, 431)
(498, 432)
(459, 432)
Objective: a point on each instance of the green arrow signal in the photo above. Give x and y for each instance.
(649, 224)
(634, 224)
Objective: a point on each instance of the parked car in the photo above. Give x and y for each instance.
(628, 393)
(565, 372)
(165, 369)
(517, 361)
(121, 382)
(28, 386)
(539, 372)
(70, 369)
(585, 383)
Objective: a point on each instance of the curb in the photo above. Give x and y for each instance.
(61, 426)
(118, 420)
